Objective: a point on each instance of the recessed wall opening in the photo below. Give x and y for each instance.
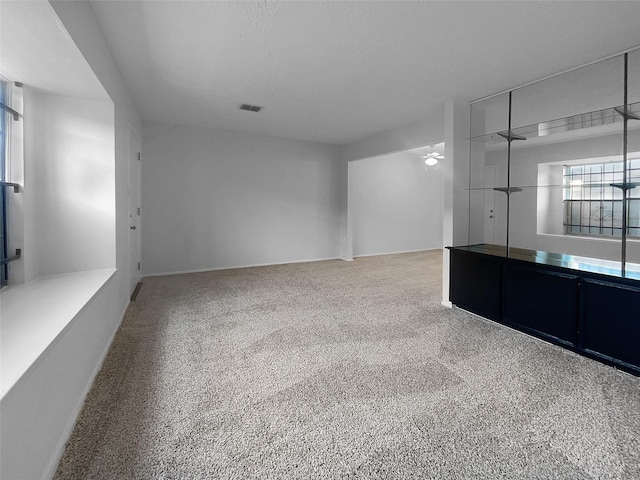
(576, 197)
(62, 157)
(397, 201)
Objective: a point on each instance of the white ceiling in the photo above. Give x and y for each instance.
(338, 71)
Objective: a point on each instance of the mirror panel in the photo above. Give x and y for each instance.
(571, 101)
(633, 165)
(488, 170)
(547, 183)
(562, 168)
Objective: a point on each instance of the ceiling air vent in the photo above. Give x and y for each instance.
(251, 108)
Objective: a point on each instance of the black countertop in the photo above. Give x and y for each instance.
(563, 260)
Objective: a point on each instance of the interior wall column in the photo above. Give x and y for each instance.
(455, 177)
(346, 218)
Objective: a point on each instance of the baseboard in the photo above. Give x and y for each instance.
(397, 252)
(309, 260)
(50, 471)
(446, 303)
(232, 267)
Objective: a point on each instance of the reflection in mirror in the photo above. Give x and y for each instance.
(577, 99)
(489, 116)
(494, 199)
(488, 153)
(633, 164)
(560, 198)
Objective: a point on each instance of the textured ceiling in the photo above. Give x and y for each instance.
(338, 71)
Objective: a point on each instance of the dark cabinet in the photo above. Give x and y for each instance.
(611, 321)
(477, 284)
(541, 302)
(590, 313)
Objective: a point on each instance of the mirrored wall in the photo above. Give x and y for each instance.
(555, 169)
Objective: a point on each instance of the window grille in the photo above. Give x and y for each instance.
(7, 115)
(592, 202)
(4, 144)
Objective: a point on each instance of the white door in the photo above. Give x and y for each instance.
(134, 211)
(490, 204)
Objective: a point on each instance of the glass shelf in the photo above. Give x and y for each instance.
(510, 136)
(507, 190)
(625, 186)
(630, 186)
(597, 118)
(628, 114)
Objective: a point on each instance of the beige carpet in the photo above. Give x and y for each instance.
(343, 370)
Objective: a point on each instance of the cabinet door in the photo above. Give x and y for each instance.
(541, 302)
(611, 326)
(475, 283)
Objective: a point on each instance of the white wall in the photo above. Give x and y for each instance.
(397, 205)
(213, 199)
(39, 412)
(69, 180)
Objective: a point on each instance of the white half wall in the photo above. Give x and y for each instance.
(39, 411)
(397, 205)
(214, 199)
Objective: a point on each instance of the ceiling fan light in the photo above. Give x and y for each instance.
(431, 161)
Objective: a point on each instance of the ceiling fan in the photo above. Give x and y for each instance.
(432, 158)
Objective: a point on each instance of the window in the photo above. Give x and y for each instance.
(592, 206)
(4, 144)
(7, 117)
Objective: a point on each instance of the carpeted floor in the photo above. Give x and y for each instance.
(343, 370)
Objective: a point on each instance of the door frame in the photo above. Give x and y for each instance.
(134, 211)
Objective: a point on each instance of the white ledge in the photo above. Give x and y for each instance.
(34, 315)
